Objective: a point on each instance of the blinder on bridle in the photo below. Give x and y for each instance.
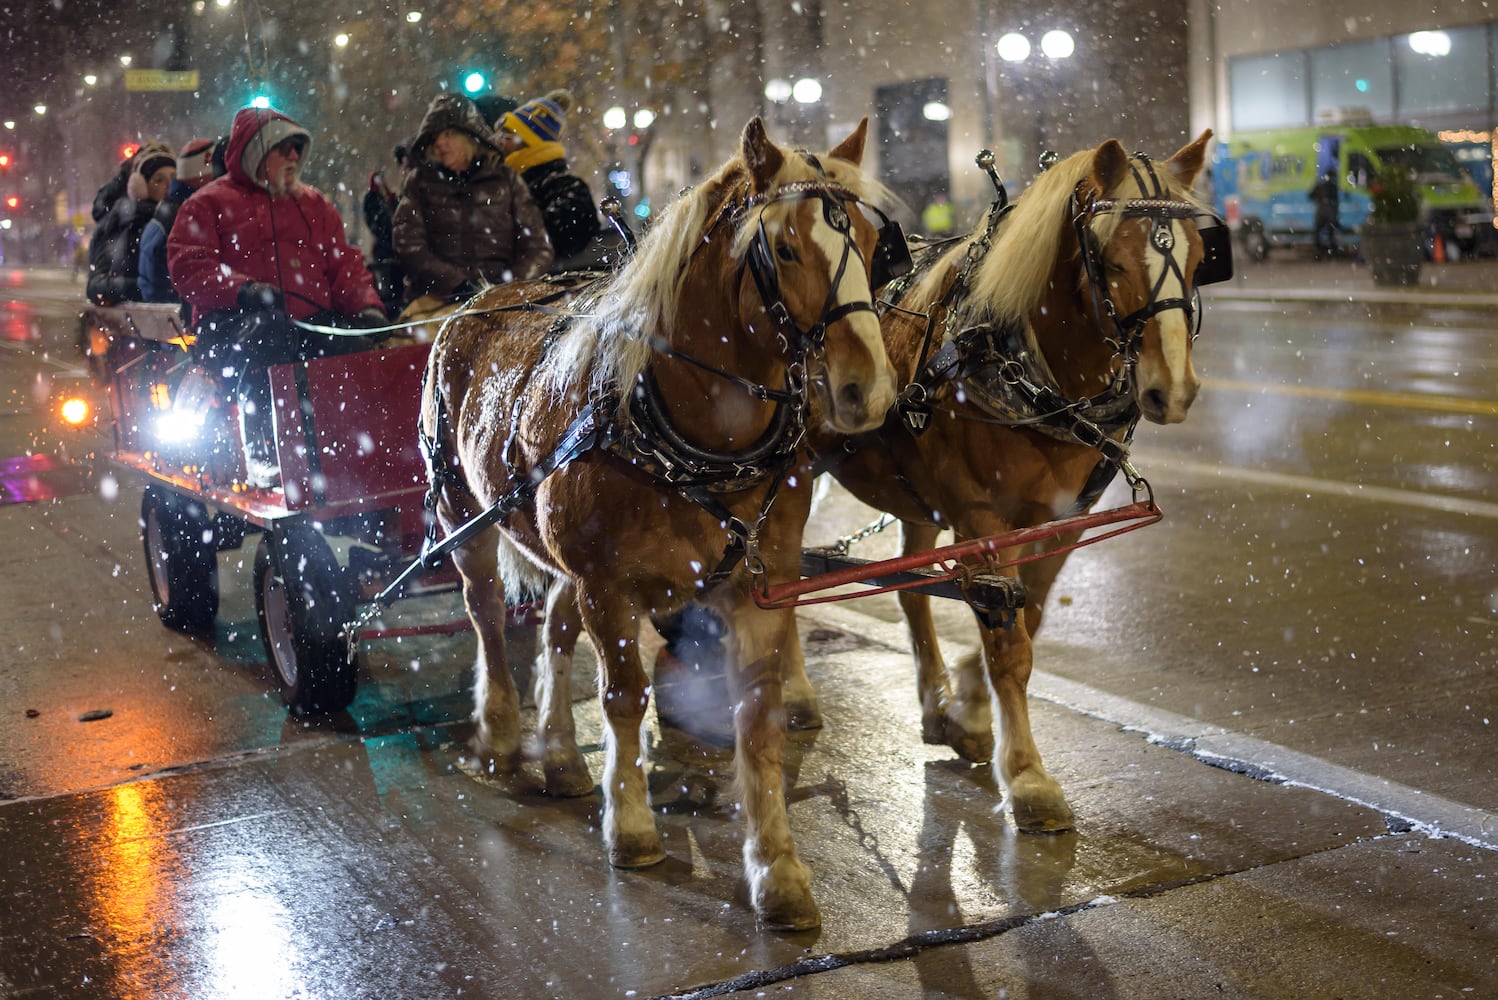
(891, 253)
(890, 259)
(1217, 250)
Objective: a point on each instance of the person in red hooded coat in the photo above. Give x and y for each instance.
(256, 249)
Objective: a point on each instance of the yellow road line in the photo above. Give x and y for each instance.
(1407, 400)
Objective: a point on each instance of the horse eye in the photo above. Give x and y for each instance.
(1115, 267)
(785, 252)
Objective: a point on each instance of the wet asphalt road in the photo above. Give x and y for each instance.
(1319, 604)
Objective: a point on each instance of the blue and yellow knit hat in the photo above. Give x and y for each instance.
(540, 120)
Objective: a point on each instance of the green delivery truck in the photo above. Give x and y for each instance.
(1262, 182)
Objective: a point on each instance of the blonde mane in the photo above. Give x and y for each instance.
(610, 341)
(1013, 276)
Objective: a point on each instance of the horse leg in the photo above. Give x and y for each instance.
(628, 824)
(962, 718)
(1039, 576)
(1039, 806)
(779, 883)
(562, 762)
(496, 703)
(801, 709)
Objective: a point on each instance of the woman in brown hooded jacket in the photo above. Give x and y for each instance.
(465, 218)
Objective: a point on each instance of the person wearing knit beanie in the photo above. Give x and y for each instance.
(150, 162)
(194, 169)
(530, 137)
(195, 163)
(541, 120)
(114, 252)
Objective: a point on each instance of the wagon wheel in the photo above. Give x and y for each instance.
(180, 543)
(302, 601)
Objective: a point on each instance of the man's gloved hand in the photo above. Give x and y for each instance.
(259, 295)
(369, 319)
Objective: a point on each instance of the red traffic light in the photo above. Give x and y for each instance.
(128, 150)
(12, 202)
(5, 160)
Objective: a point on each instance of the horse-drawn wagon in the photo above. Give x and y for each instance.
(348, 512)
(648, 447)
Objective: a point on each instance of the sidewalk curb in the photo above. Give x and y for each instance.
(1426, 295)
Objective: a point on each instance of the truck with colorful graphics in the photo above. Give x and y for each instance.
(1262, 183)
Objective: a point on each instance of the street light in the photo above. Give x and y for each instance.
(1056, 45)
(626, 171)
(806, 91)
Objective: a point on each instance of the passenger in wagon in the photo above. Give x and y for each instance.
(194, 169)
(530, 137)
(114, 253)
(253, 251)
(465, 219)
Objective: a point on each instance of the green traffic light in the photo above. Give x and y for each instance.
(474, 82)
(260, 101)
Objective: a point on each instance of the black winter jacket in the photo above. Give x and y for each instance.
(566, 205)
(114, 253)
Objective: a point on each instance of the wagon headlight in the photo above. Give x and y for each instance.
(179, 426)
(75, 411)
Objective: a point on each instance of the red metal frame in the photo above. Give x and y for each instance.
(952, 561)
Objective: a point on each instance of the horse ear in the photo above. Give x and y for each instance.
(1109, 166)
(851, 148)
(763, 158)
(1187, 161)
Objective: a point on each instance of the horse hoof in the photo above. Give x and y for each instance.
(1039, 806)
(569, 781)
(802, 717)
(637, 851)
(495, 763)
(788, 907)
(802, 915)
(974, 749)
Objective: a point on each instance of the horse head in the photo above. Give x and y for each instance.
(807, 250)
(1140, 247)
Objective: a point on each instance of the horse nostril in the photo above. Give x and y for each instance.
(850, 398)
(1154, 401)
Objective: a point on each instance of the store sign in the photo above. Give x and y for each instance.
(161, 79)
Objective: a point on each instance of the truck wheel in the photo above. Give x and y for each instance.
(181, 557)
(1255, 243)
(302, 601)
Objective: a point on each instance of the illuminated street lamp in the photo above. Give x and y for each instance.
(806, 91)
(626, 173)
(778, 91)
(1056, 45)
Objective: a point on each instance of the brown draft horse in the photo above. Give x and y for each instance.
(1105, 340)
(690, 374)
